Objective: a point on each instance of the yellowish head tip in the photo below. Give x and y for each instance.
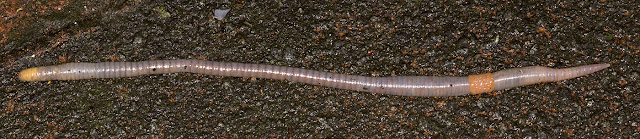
(28, 75)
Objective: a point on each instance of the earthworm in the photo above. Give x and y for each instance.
(393, 85)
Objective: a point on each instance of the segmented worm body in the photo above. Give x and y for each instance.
(395, 85)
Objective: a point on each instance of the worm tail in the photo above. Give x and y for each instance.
(573, 72)
(536, 74)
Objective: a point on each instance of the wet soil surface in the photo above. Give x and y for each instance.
(369, 38)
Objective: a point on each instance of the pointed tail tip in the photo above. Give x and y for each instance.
(588, 69)
(599, 67)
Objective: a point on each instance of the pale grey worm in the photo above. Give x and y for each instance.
(395, 85)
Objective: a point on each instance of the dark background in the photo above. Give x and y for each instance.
(372, 38)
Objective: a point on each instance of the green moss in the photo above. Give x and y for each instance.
(163, 13)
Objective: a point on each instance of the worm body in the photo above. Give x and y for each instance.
(395, 85)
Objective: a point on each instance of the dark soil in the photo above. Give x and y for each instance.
(374, 38)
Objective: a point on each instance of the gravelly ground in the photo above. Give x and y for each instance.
(373, 38)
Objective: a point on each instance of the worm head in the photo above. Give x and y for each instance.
(28, 75)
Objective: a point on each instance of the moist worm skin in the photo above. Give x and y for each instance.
(395, 85)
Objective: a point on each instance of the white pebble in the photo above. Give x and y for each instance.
(219, 14)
